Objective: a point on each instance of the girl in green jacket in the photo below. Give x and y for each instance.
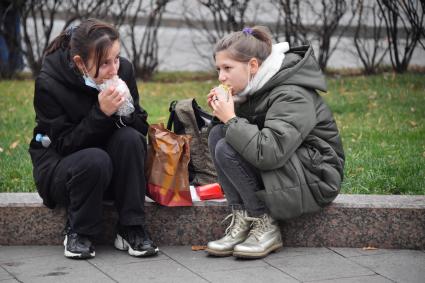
(277, 152)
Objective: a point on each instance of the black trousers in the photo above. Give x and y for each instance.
(83, 179)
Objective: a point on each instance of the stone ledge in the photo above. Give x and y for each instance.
(350, 221)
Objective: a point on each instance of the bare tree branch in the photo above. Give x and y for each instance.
(368, 48)
(313, 21)
(222, 18)
(401, 47)
(146, 47)
(42, 14)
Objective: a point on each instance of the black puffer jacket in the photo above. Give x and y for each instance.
(68, 112)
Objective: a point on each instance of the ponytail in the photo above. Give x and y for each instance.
(61, 41)
(255, 42)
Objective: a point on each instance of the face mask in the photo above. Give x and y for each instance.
(89, 81)
(248, 87)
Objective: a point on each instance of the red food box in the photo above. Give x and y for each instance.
(209, 191)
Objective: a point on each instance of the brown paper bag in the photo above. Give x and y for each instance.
(167, 167)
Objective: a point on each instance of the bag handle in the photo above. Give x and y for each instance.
(202, 117)
(172, 110)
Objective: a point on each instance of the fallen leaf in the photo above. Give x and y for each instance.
(373, 96)
(372, 105)
(1, 150)
(413, 123)
(14, 145)
(198, 248)
(359, 169)
(369, 248)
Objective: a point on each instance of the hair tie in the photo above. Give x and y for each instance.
(247, 31)
(70, 31)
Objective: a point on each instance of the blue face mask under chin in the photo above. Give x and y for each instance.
(90, 82)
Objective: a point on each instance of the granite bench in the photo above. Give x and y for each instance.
(350, 221)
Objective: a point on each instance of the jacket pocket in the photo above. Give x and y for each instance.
(321, 169)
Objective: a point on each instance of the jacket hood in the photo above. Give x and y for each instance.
(57, 65)
(298, 68)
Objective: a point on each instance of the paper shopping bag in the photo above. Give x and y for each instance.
(167, 167)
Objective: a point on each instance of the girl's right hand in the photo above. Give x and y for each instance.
(211, 96)
(110, 100)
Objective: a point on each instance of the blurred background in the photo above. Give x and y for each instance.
(364, 36)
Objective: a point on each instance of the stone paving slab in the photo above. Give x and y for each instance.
(255, 274)
(362, 279)
(353, 252)
(151, 271)
(324, 266)
(399, 265)
(4, 275)
(199, 262)
(181, 264)
(53, 269)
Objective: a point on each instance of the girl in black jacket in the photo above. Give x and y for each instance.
(82, 150)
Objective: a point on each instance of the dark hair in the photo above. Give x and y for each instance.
(91, 37)
(249, 43)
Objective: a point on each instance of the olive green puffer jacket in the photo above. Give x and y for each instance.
(287, 131)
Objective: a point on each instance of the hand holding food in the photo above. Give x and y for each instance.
(126, 108)
(223, 92)
(221, 101)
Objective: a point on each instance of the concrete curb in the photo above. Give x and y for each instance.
(350, 221)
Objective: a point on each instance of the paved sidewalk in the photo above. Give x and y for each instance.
(181, 264)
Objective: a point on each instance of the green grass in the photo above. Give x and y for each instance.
(381, 119)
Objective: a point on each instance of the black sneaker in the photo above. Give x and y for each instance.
(78, 246)
(136, 240)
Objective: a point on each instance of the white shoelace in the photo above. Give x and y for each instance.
(259, 226)
(234, 224)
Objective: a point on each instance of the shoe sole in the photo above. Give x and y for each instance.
(121, 244)
(247, 255)
(219, 253)
(72, 255)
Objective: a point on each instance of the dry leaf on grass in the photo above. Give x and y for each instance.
(413, 123)
(14, 145)
(198, 248)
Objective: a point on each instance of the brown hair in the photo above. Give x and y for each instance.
(246, 44)
(91, 37)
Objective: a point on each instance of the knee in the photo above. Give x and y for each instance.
(128, 137)
(96, 162)
(224, 152)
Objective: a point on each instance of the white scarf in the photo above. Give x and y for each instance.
(268, 69)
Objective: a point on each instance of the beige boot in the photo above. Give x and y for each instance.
(236, 233)
(263, 238)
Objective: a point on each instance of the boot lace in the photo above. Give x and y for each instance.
(235, 224)
(259, 226)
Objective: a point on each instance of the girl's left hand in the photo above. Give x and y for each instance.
(222, 109)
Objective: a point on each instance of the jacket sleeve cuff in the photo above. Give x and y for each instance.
(234, 120)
